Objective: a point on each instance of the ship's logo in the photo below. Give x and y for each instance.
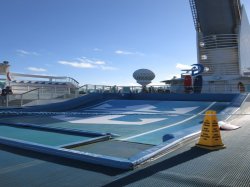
(197, 69)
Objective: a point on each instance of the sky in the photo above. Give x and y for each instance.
(98, 41)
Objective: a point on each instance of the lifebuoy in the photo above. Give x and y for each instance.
(9, 76)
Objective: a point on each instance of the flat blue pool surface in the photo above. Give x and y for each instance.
(142, 121)
(38, 136)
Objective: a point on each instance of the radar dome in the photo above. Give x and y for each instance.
(143, 76)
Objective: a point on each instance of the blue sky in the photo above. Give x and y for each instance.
(98, 41)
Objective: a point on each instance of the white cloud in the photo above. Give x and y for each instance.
(100, 62)
(22, 52)
(90, 61)
(86, 63)
(36, 69)
(183, 66)
(121, 52)
(77, 64)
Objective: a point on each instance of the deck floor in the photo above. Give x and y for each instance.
(186, 166)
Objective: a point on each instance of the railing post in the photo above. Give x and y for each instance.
(21, 99)
(76, 92)
(69, 91)
(86, 88)
(38, 94)
(51, 96)
(42, 90)
(55, 92)
(7, 100)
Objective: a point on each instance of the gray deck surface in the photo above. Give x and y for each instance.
(186, 166)
(114, 148)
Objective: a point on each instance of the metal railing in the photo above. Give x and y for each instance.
(212, 88)
(219, 41)
(20, 99)
(19, 77)
(88, 88)
(206, 88)
(47, 91)
(38, 94)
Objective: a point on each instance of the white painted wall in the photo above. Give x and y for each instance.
(244, 44)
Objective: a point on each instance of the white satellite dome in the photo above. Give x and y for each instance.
(143, 76)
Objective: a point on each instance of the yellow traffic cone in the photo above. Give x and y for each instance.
(210, 137)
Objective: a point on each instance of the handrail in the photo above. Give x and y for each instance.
(50, 78)
(219, 41)
(73, 80)
(37, 76)
(177, 87)
(82, 86)
(174, 87)
(22, 94)
(29, 91)
(11, 97)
